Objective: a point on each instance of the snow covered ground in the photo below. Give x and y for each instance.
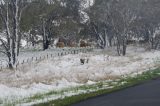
(30, 53)
(67, 71)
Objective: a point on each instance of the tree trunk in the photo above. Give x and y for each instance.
(124, 45)
(16, 36)
(118, 46)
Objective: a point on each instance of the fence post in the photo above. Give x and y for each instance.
(23, 62)
(16, 66)
(74, 52)
(17, 63)
(27, 60)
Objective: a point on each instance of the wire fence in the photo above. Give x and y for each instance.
(61, 52)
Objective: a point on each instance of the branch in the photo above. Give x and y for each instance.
(95, 30)
(2, 14)
(21, 11)
(3, 52)
(4, 44)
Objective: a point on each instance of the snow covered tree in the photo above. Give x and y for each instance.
(111, 20)
(10, 14)
(117, 21)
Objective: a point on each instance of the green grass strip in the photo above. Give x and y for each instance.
(130, 82)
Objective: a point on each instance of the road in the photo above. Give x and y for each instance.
(147, 94)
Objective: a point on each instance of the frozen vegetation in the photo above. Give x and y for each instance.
(59, 73)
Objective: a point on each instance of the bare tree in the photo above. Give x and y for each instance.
(127, 16)
(10, 14)
(112, 19)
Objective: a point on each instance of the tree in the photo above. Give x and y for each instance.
(63, 19)
(112, 19)
(10, 14)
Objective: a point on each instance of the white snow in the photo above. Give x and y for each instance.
(87, 3)
(2, 2)
(23, 43)
(2, 37)
(67, 71)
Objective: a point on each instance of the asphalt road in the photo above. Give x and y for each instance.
(147, 94)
